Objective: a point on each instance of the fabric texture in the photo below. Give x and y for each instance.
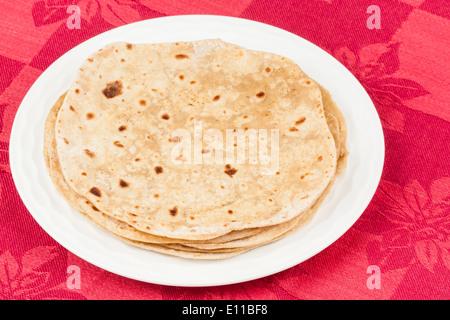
(403, 65)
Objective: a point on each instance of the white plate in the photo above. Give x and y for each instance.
(343, 206)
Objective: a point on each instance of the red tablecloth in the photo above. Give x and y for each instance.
(405, 68)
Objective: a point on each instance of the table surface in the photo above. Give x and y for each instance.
(398, 249)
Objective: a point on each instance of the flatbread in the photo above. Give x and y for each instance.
(223, 86)
(314, 146)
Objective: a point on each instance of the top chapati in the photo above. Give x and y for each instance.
(115, 137)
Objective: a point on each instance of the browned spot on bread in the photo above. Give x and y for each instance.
(118, 144)
(260, 94)
(154, 90)
(122, 60)
(123, 183)
(77, 90)
(122, 128)
(137, 159)
(303, 176)
(91, 60)
(165, 116)
(181, 77)
(173, 211)
(94, 208)
(193, 82)
(181, 56)
(205, 151)
(89, 153)
(230, 211)
(175, 139)
(300, 121)
(230, 171)
(222, 187)
(293, 129)
(129, 46)
(89, 116)
(113, 89)
(66, 141)
(191, 217)
(267, 69)
(84, 174)
(156, 195)
(319, 158)
(159, 169)
(216, 98)
(96, 191)
(142, 102)
(71, 108)
(270, 200)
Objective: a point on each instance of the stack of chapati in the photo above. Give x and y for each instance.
(110, 141)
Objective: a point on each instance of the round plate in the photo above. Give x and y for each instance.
(348, 199)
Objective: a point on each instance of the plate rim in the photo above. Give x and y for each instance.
(14, 149)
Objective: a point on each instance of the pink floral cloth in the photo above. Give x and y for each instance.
(404, 66)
